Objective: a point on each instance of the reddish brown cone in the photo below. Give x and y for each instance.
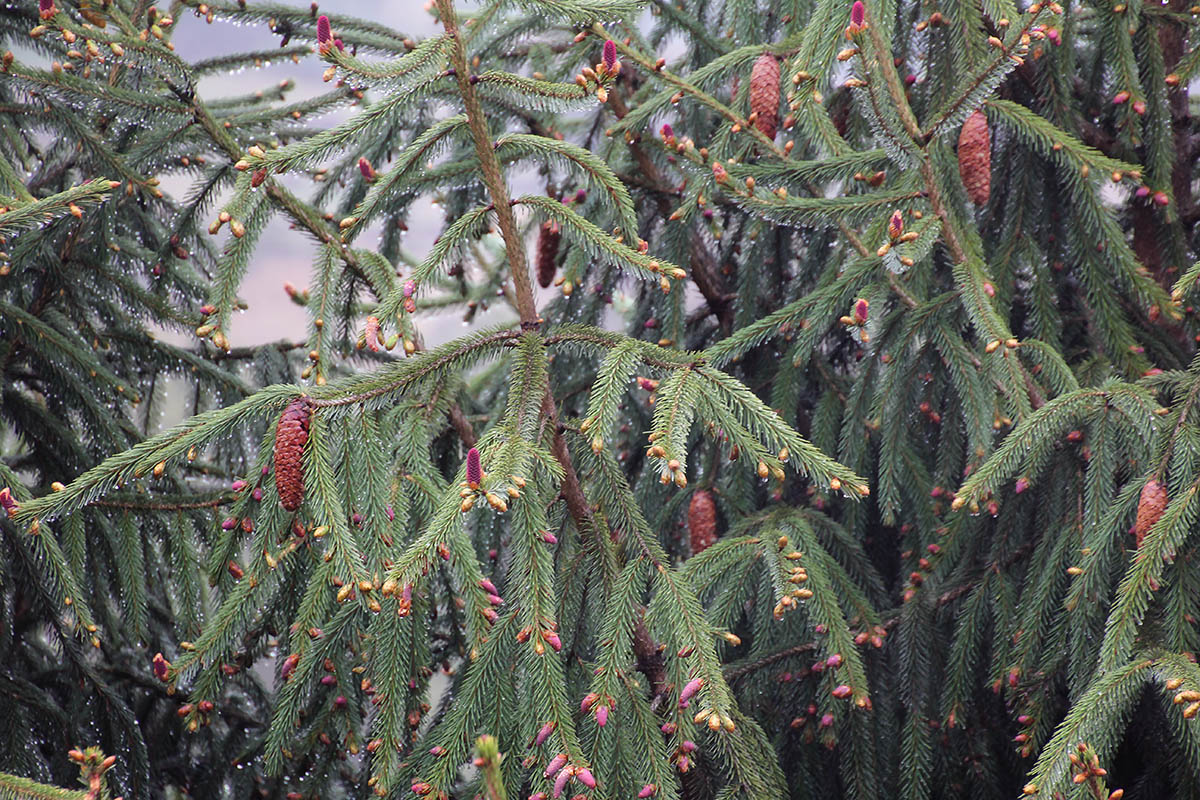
(549, 237)
(291, 435)
(975, 158)
(702, 521)
(764, 94)
(1150, 508)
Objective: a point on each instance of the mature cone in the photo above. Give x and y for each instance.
(702, 521)
(291, 436)
(1150, 508)
(764, 94)
(547, 253)
(975, 158)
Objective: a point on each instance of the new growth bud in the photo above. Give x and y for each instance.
(324, 35)
(474, 469)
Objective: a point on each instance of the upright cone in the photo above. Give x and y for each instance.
(291, 435)
(975, 158)
(1150, 508)
(702, 521)
(764, 94)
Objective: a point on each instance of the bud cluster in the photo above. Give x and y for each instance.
(600, 77)
(797, 575)
(472, 487)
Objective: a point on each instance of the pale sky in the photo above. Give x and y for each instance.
(283, 254)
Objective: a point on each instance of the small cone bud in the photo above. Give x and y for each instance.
(861, 308)
(366, 169)
(372, 334)
(324, 34)
(161, 667)
(610, 56)
(474, 469)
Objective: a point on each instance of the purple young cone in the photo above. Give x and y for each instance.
(610, 55)
(474, 468)
(560, 783)
(554, 765)
(324, 34)
(857, 13)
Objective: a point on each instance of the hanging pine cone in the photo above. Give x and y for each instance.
(549, 237)
(1150, 508)
(764, 94)
(975, 158)
(702, 521)
(291, 435)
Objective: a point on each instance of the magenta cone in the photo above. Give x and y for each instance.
(474, 468)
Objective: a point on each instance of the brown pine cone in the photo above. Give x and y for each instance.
(975, 158)
(702, 521)
(1150, 508)
(549, 237)
(291, 435)
(764, 94)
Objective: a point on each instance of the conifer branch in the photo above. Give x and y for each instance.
(489, 165)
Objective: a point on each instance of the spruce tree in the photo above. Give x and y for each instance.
(846, 447)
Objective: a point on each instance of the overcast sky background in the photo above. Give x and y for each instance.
(284, 254)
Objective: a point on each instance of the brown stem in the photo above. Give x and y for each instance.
(572, 490)
(489, 166)
(396, 384)
(213, 503)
